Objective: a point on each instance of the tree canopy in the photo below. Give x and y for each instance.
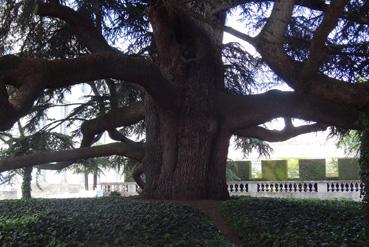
(160, 69)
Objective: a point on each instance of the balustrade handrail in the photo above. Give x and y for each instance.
(291, 181)
(350, 189)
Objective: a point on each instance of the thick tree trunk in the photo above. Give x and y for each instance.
(185, 160)
(186, 148)
(85, 173)
(94, 185)
(26, 183)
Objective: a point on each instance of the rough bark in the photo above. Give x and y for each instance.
(186, 140)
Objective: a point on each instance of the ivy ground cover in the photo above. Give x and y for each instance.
(106, 221)
(295, 222)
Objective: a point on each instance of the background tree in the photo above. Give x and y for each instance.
(161, 67)
(25, 144)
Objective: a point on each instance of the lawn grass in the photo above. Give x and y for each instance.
(103, 222)
(295, 222)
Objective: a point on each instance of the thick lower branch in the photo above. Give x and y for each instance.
(278, 135)
(31, 76)
(133, 151)
(114, 119)
(243, 111)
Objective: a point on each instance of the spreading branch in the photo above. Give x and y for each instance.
(82, 26)
(115, 118)
(269, 43)
(243, 111)
(31, 76)
(133, 151)
(279, 135)
(317, 51)
(93, 129)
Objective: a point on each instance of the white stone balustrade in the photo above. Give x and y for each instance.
(125, 189)
(328, 189)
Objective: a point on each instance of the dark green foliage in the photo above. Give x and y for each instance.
(274, 170)
(129, 166)
(114, 194)
(242, 169)
(349, 140)
(348, 169)
(285, 222)
(247, 145)
(312, 169)
(110, 221)
(40, 141)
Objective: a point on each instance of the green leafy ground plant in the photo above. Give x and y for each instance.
(291, 222)
(110, 221)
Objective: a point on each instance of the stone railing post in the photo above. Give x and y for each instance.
(322, 187)
(253, 188)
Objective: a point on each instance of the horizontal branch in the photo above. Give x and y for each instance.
(93, 129)
(115, 118)
(279, 135)
(31, 76)
(243, 111)
(133, 151)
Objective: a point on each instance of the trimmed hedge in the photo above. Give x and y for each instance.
(348, 169)
(242, 169)
(312, 169)
(110, 221)
(285, 222)
(274, 170)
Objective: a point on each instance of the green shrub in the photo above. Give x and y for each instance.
(286, 222)
(348, 169)
(109, 221)
(312, 169)
(274, 170)
(331, 168)
(242, 169)
(114, 193)
(293, 168)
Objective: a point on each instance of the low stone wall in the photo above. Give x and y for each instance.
(125, 189)
(340, 189)
(8, 195)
